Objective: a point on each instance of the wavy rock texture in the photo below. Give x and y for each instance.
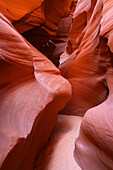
(42, 23)
(86, 67)
(58, 154)
(32, 91)
(106, 22)
(94, 149)
(43, 13)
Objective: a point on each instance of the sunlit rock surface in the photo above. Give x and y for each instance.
(28, 14)
(78, 36)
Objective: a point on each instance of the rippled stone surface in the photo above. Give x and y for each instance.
(33, 89)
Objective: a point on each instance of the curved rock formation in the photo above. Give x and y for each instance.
(106, 22)
(43, 13)
(58, 154)
(51, 46)
(40, 22)
(32, 91)
(86, 66)
(94, 149)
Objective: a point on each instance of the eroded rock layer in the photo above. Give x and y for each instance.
(93, 148)
(32, 91)
(85, 68)
(43, 13)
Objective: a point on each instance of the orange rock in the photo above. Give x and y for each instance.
(85, 68)
(106, 23)
(32, 91)
(43, 13)
(94, 149)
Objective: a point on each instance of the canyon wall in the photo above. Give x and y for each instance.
(32, 91)
(55, 57)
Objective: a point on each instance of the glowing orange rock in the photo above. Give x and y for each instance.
(85, 68)
(44, 13)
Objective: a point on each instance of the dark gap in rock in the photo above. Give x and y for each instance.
(52, 46)
(44, 42)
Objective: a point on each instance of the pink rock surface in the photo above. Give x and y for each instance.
(94, 149)
(85, 68)
(58, 153)
(32, 91)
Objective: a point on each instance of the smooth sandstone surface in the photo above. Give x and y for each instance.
(44, 13)
(32, 91)
(86, 67)
(94, 149)
(106, 22)
(89, 70)
(58, 153)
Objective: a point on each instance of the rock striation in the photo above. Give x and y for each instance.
(94, 145)
(35, 37)
(85, 68)
(32, 91)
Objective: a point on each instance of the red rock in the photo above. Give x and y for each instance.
(58, 153)
(32, 91)
(83, 68)
(51, 46)
(94, 149)
(106, 23)
(43, 13)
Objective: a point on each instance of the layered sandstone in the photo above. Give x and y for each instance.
(32, 91)
(93, 148)
(85, 68)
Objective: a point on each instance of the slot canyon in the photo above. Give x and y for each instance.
(56, 85)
